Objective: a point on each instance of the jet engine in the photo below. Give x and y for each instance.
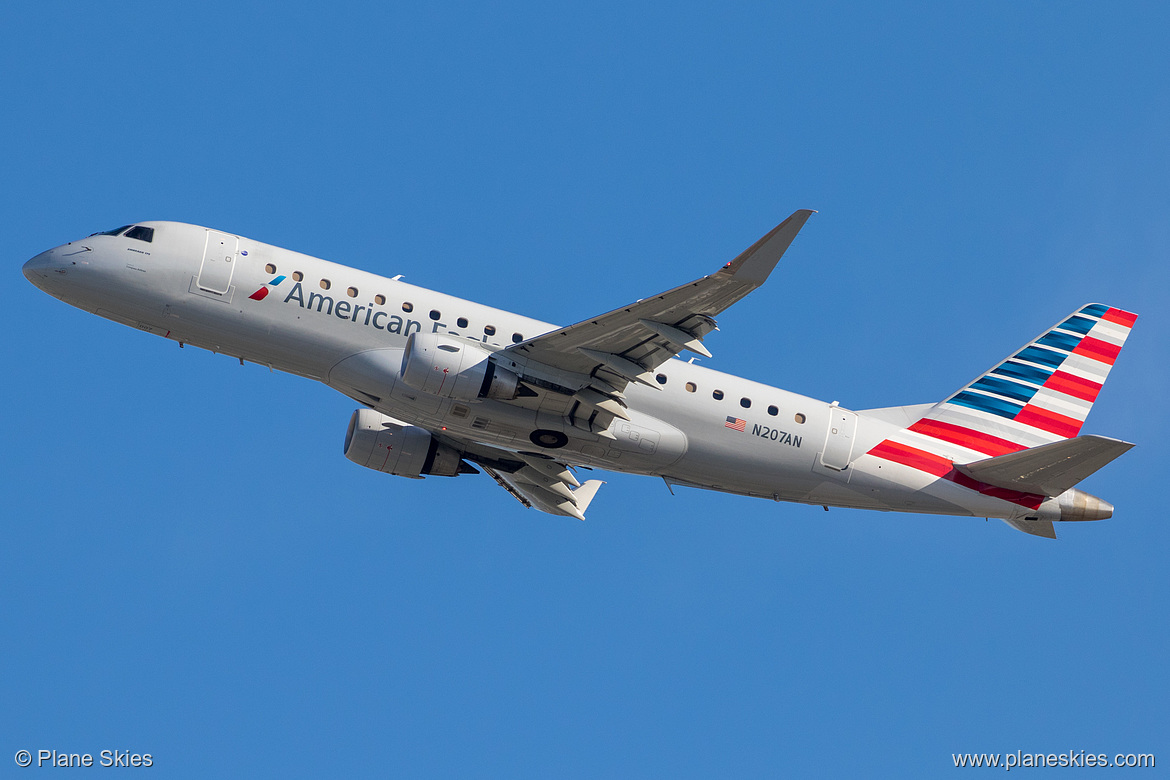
(380, 443)
(455, 368)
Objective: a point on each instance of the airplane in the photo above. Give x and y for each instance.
(448, 387)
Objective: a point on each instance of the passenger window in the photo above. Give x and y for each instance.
(517, 338)
(270, 268)
(799, 418)
(461, 322)
(141, 233)
(489, 330)
(324, 284)
(691, 387)
(380, 299)
(434, 315)
(298, 276)
(408, 307)
(772, 410)
(717, 395)
(746, 403)
(351, 292)
(660, 379)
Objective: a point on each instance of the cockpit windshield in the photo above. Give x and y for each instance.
(114, 232)
(140, 232)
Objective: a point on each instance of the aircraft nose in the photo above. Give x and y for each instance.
(37, 269)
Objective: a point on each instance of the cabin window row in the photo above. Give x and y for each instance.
(718, 395)
(407, 306)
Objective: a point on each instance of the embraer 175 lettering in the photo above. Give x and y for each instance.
(445, 383)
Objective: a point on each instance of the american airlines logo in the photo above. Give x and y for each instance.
(359, 314)
(262, 293)
(356, 313)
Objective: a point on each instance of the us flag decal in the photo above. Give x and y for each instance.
(735, 423)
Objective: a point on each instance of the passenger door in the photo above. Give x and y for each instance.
(219, 260)
(839, 437)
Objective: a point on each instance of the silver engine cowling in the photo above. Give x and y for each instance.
(379, 443)
(455, 368)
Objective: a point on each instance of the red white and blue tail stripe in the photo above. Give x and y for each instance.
(1039, 395)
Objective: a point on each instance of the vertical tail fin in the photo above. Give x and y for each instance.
(1040, 394)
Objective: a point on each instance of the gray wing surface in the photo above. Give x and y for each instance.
(619, 346)
(535, 481)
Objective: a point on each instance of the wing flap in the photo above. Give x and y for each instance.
(516, 494)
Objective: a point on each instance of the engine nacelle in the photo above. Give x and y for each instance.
(455, 368)
(377, 442)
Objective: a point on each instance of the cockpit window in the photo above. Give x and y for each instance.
(114, 232)
(141, 233)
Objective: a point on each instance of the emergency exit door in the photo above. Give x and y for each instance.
(219, 260)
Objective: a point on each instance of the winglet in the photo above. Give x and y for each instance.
(585, 494)
(574, 506)
(757, 261)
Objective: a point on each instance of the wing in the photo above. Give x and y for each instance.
(589, 364)
(534, 480)
(530, 495)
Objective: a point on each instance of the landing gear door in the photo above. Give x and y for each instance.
(838, 450)
(219, 260)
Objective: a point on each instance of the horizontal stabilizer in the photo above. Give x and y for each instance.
(1035, 527)
(1047, 470)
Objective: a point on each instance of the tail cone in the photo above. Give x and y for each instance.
(1079, 505)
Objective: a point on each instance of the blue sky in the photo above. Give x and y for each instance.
(190, 568)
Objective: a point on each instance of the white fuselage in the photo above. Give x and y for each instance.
(351, 336)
